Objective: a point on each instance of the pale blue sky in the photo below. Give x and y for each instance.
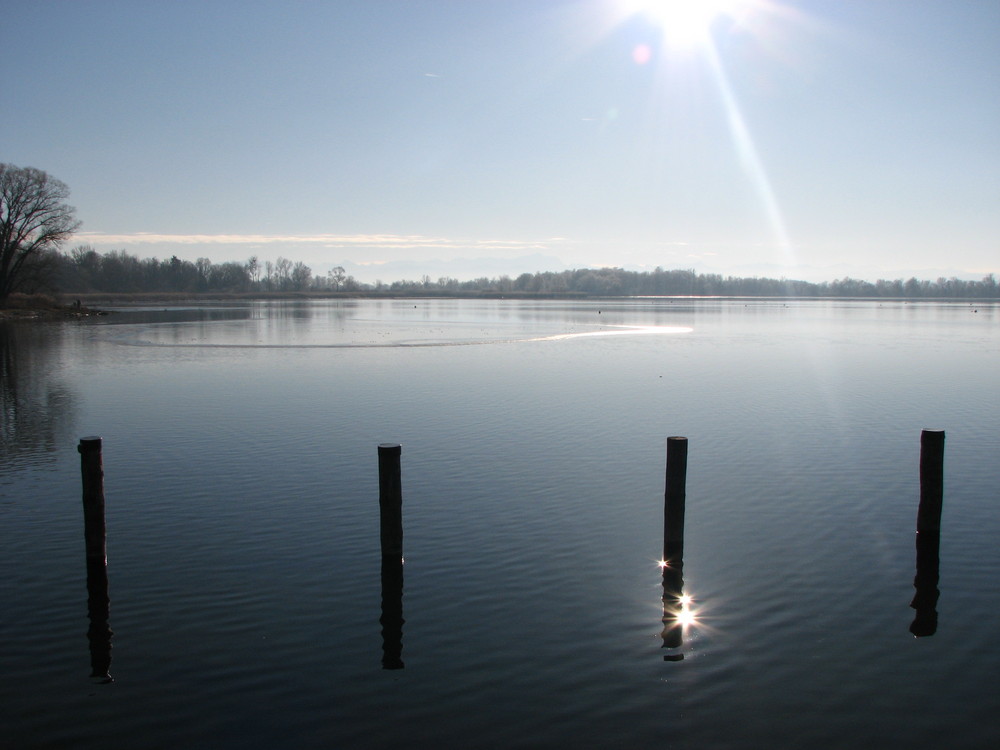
(811, 139)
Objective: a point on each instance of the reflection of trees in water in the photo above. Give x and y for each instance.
(288, 321)
(249, 324)
(36, 408)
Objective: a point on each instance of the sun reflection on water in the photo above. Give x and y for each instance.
(679, 611)
(616, 330)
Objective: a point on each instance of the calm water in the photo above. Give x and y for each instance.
(242, 512)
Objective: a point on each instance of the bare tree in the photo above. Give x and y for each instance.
(34, 218)
(268, 275)
(336, 276)
(253, 270)
(283, 273)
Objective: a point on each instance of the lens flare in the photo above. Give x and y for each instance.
(642, 54)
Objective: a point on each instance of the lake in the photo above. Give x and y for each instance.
(242, 503)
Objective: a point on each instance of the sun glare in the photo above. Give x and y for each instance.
(686, 618)
(686, 23)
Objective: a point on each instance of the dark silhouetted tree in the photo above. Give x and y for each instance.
(34, 219)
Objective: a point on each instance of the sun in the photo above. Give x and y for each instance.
(686, 23)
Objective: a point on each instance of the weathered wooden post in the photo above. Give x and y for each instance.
(390, 500)
(931, 480)
(95, 537)
(928, 533)
(92, 469)
(674, 498)
(673, 545)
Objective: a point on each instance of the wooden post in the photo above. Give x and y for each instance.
(92, 468)
(674, 498)
(931, 480)
(95, 536)
(390, 500)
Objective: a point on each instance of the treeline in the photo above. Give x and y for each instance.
(612, 282)
(84, 270)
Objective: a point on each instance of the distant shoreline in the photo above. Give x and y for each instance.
(70, 306)
(180, 297)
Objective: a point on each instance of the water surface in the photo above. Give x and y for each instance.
(242, 509)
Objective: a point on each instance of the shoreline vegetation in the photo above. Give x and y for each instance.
(44, 307)
(76, 284)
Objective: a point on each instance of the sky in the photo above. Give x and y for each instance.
(806, 140)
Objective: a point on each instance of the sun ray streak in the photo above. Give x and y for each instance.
(750, 159)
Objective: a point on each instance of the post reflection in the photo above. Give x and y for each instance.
(675, 612)
(96, 543)
(99, 612)
(928, 533)
(926, 584)
(392, 612)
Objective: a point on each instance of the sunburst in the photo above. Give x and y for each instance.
(686, 23)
